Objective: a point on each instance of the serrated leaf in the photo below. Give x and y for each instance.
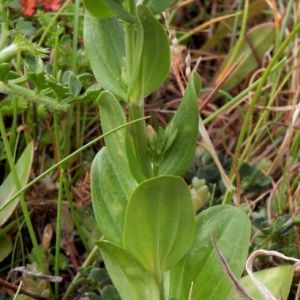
(159, 224)
(152, 60)
(111, 189)
(180, 154)
(8, 187)
(130, 278)
(277, 280)
(104, 42)
(200, 274)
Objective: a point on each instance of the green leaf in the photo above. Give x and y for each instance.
(104, 42)
(8, 187)
(6, 246)
(4, 71)
(72, 81)
(180, 154)
(201, 269)
(157, 6)
(152, 59)
(130, 278)
(253, 48)
(159, 224)
(119, 10)
(98, 8)
(277, 280)
(108, 8)
(112, 116)
(111, 188)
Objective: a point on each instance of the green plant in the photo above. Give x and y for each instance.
(153, 246)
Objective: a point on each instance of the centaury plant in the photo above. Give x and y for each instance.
(153, 245)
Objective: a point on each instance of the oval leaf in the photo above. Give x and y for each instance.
(111, 189)
(129, 277)
(201, 274)
(152, 60)
(104, 42)
(159, 224)
(112, 116)
(277, 280)
(8, 187)
(119, 10)
(180, 154)
(98, 8)
(157, 6)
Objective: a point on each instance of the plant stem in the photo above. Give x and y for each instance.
(86, 263)
(139, 138)
(52, 22)
(58, 231)
(161, 290)
(4, 26)
(9, 52)
(17, 90)
(75, 36)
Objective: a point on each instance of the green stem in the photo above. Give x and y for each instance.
(58, 231)
(52, 22)
(9, 52)
(59, 146)
(139, 139)
(17, 90)
(75, 36)
(86, 263)
(4, 26)
(161, 290)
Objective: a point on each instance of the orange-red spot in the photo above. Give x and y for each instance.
(53, 5)
(28, 6)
